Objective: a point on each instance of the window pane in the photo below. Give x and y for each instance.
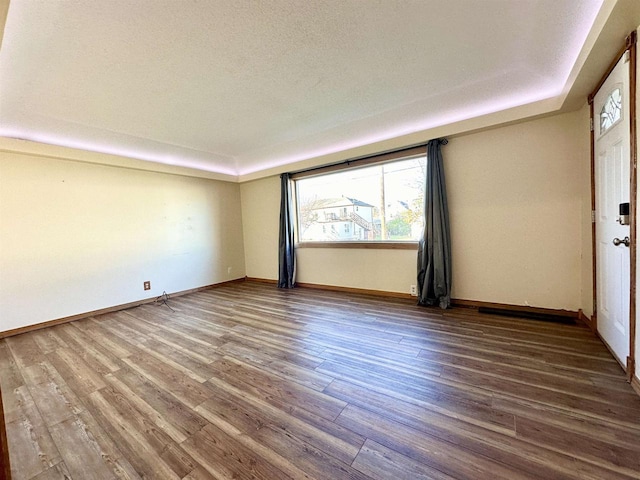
(377, 203)
(611, 111)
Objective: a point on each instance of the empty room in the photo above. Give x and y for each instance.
(335, 239)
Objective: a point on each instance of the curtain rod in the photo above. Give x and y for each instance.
(359, 159)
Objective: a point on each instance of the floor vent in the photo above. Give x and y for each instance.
(547, 317)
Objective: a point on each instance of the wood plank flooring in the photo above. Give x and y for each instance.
(247, 381)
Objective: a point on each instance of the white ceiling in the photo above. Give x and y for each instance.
(236, 87)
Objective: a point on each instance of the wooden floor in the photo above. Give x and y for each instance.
(248, 381)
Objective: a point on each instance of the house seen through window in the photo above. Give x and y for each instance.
(383, 202)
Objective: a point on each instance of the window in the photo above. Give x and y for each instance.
(380, 203)
(611, 111)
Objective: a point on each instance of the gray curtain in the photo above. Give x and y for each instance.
(286, 253)
(434, 249)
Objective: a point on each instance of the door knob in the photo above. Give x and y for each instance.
(625, 242)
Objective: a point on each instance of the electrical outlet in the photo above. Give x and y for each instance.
(147, 285)
(413, 290)
(228, 270)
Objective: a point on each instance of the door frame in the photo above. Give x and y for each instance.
(631, 47)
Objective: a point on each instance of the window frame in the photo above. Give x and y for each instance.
(383, 158)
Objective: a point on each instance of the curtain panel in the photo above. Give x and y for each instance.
(286, 248)
(434, 248)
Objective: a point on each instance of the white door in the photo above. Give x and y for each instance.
(612, 180)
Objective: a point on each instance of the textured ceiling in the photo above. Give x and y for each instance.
(240, 86)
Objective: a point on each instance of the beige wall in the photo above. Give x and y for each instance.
(260, 217)
(516, 206)
(586, 302)
(386, 270)
(77, 237)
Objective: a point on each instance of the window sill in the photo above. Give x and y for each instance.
(365, 245)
